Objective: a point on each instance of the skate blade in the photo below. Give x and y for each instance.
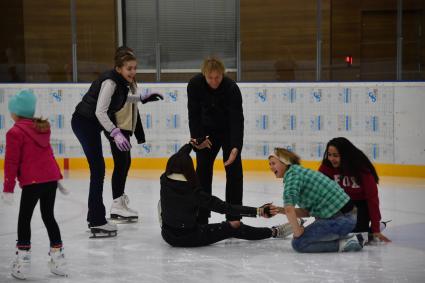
(123, 220)
(103, 234)
(60, 274)
(18, 277)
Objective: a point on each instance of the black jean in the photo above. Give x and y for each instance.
(234, 177)
(122, 162)
(46, 193)
(203, 235)
(88, 133)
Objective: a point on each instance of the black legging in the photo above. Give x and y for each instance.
(234, 177)
(46, 193)
(203, 235)
(122, 162)
(88, 133)
(363, 219)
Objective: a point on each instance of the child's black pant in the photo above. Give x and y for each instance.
(46, 193)
(203, 235)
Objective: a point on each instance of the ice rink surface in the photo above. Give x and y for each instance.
(138, 253)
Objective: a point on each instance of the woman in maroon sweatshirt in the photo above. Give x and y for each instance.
(353, 171)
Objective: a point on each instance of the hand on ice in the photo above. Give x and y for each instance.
(380, 238)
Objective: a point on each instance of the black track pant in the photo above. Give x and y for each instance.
(234, 177)
(46, 193)
(203, 235)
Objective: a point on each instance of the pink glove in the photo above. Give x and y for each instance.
(148, 97)
(122, 143)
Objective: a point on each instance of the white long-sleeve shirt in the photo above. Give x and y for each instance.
(107, 89)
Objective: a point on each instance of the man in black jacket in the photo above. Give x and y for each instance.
(216, 121)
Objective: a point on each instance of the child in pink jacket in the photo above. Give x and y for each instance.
(29, 158)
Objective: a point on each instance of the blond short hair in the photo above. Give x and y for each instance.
(211, 64)
(285, 156)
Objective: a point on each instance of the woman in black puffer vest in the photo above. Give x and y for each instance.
(110, 105)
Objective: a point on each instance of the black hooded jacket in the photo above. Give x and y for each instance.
(180, 203)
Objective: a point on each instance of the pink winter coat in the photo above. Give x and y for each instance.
(29, 156)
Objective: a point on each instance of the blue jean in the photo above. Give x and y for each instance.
(88, 133)
(323, 235)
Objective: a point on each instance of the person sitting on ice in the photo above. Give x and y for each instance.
(181, 198)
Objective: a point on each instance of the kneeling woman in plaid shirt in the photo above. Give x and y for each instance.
(318, 196)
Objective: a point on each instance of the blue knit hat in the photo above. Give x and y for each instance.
(23, 104)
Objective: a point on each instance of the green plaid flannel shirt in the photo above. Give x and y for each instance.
(313, 191)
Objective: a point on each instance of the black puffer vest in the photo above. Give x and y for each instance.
(87, 106)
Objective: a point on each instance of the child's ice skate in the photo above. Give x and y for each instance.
(21, 265)
(57, 262)
(121, 213)
(104, 231)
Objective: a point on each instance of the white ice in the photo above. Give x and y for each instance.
(138, 253)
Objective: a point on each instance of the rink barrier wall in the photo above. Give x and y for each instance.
(384, 119)
(414, 171)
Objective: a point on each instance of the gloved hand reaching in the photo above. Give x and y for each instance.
(7, 198)
(120, 140)
(151, 96)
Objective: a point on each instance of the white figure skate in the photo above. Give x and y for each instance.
(21, 265)
(57, 262)
(104, 231)
(121, 213)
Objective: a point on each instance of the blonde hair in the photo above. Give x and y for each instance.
(285, 156)
(211, 64)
